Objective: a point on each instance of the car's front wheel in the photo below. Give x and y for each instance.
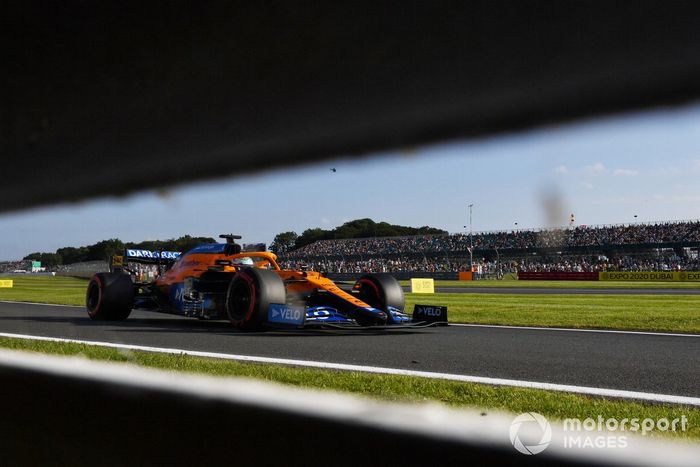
(380, 291)
(250, 294)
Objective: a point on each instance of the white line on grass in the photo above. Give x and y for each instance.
(609, 331)
(42, 304)
(495, 326)
(616, 393)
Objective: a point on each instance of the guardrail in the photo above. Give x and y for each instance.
(558, 276)
(86, 269)
(399, 275)
(93, 413)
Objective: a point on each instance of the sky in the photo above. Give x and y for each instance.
(604, 171)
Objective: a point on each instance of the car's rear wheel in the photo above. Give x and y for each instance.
(380, 291)
(249, 296)
(109, 296)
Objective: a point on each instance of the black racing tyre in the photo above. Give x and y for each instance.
(109, 296)
(380, 291)
(250, 294)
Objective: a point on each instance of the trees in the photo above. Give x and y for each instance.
(187, 242)
(184, 243)
(47, 259)
(309, 236)
(105, 249)
(72, 255)
(283, 242)
(358, 228)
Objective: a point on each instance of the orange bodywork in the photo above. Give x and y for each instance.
(196, 264)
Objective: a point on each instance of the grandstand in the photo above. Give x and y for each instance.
(657, 246)
(8, 267)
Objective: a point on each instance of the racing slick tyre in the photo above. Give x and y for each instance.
(250, 294)
(380, 291)
(109, 296)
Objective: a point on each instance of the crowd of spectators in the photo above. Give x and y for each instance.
(572, 263)
(144, 272)
(378, 265)
(11, 266)
(620, 263)
(591, 236)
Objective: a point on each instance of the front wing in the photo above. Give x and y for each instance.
(320, 317)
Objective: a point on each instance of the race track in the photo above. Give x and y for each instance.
(665, 364)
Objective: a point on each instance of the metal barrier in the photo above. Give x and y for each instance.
(71, 411)
(86, 269)
(399, 275)
(558, 276)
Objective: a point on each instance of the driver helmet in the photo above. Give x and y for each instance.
(245, 261)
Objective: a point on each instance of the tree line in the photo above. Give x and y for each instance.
(105, 249)
(359, 228)
(283, 242)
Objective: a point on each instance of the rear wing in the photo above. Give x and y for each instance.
(150, 257)
(160, 258)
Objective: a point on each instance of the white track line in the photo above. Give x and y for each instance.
(607, 331)
(495, 326)
(43, 304)
(616, 393)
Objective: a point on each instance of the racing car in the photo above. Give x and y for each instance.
(249, 289)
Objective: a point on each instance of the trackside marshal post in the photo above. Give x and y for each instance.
(422, 286)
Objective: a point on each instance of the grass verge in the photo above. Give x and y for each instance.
(553, 405)
(565, 284)
(669, 313)
(46, 289)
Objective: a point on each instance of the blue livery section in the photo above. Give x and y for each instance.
(326, 314)
(397, 316)
(209, 248)
(176, 293)
(189, 307)
(285, 314)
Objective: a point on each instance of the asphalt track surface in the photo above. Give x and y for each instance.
(663, 364)
(562, 291)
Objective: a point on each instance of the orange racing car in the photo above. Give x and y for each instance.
(219, 281)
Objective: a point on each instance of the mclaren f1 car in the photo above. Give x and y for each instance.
(249, 289)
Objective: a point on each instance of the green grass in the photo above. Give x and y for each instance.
(672, 313)
(554, 405)
(46, 289)
(566, 284)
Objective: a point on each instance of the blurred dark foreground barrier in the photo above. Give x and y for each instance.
(112, 97)
(70, 411)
